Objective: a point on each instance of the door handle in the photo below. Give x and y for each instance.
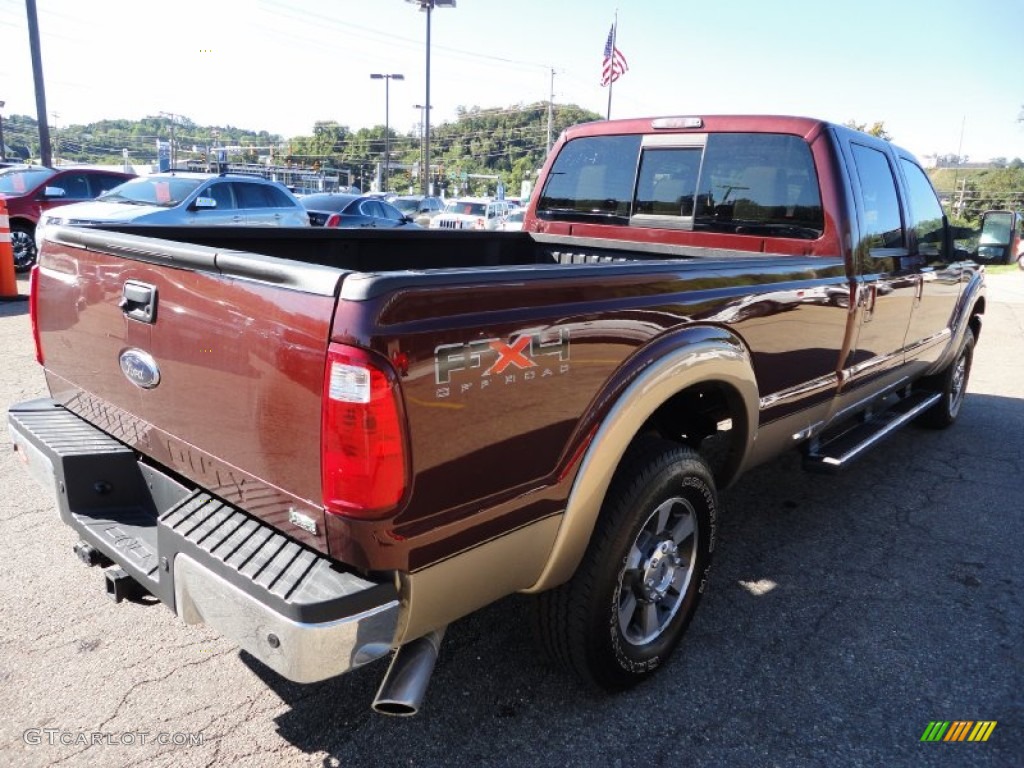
(138, 301)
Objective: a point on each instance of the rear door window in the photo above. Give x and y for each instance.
(371, 209)
(391, 213)
(252, 195)
(278, 198)
(759, 184)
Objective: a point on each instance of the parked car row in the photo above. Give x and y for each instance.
(31, 190)
(38, 197)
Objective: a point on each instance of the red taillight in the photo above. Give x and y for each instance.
(33, 310)
(362, 443)
(333, 220)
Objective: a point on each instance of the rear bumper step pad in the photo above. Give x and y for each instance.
(287, 604)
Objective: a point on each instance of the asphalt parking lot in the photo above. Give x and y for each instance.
(844, 615)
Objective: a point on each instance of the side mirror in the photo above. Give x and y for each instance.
(204, 202)
(54, 192)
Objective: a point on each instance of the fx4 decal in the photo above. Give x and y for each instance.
(535, 355)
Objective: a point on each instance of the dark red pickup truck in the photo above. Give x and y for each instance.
(331, 444)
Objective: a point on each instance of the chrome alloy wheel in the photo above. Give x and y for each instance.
(658, 570)
(23, 246)
(958, 385)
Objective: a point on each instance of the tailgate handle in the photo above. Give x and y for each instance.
(138, 301)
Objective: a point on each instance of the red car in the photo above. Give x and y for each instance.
(29, 190)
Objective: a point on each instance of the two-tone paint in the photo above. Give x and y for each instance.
(526, 363)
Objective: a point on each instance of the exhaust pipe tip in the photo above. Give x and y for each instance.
(395, 708)
(404, 686)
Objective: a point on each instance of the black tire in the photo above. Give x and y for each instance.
(952, 384)
(617, 620)
(23, 244)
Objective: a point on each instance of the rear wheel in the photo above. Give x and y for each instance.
(23, 243)
(952, 384)
(628, 604)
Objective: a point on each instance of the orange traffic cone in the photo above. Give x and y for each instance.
(8, 283)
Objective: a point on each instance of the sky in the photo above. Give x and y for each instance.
(945, 77)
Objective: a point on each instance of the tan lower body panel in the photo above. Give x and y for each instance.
(435, 596)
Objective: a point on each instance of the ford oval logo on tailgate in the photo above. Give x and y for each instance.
(140, 368)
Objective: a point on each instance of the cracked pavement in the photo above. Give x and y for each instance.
(843, 615)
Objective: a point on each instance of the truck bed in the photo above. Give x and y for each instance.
(245, 317)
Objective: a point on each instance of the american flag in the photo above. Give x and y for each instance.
(614, 62)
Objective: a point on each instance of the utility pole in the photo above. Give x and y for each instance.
(959, 207)
(55, 138)
(173, 118)
(37, 76)
(214, 153)
(959, 160)
(551, 107)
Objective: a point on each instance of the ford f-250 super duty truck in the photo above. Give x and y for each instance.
(332, 444)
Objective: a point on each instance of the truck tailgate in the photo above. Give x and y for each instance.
(210, 361)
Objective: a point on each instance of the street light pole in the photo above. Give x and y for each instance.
(3, 156)
(387, 120)
(423, 108)
(429, 6)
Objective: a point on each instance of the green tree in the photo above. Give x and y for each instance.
(877, 128)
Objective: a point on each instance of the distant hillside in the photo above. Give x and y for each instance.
(472, 153)
(971, 191)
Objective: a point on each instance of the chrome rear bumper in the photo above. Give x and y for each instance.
(291, 607)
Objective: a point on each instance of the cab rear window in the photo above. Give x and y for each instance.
(742, 183)
(592, 180)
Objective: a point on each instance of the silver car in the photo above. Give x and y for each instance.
(177, 198)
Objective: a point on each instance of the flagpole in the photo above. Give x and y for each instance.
(611, 84)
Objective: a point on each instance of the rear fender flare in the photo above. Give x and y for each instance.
(671, 365)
